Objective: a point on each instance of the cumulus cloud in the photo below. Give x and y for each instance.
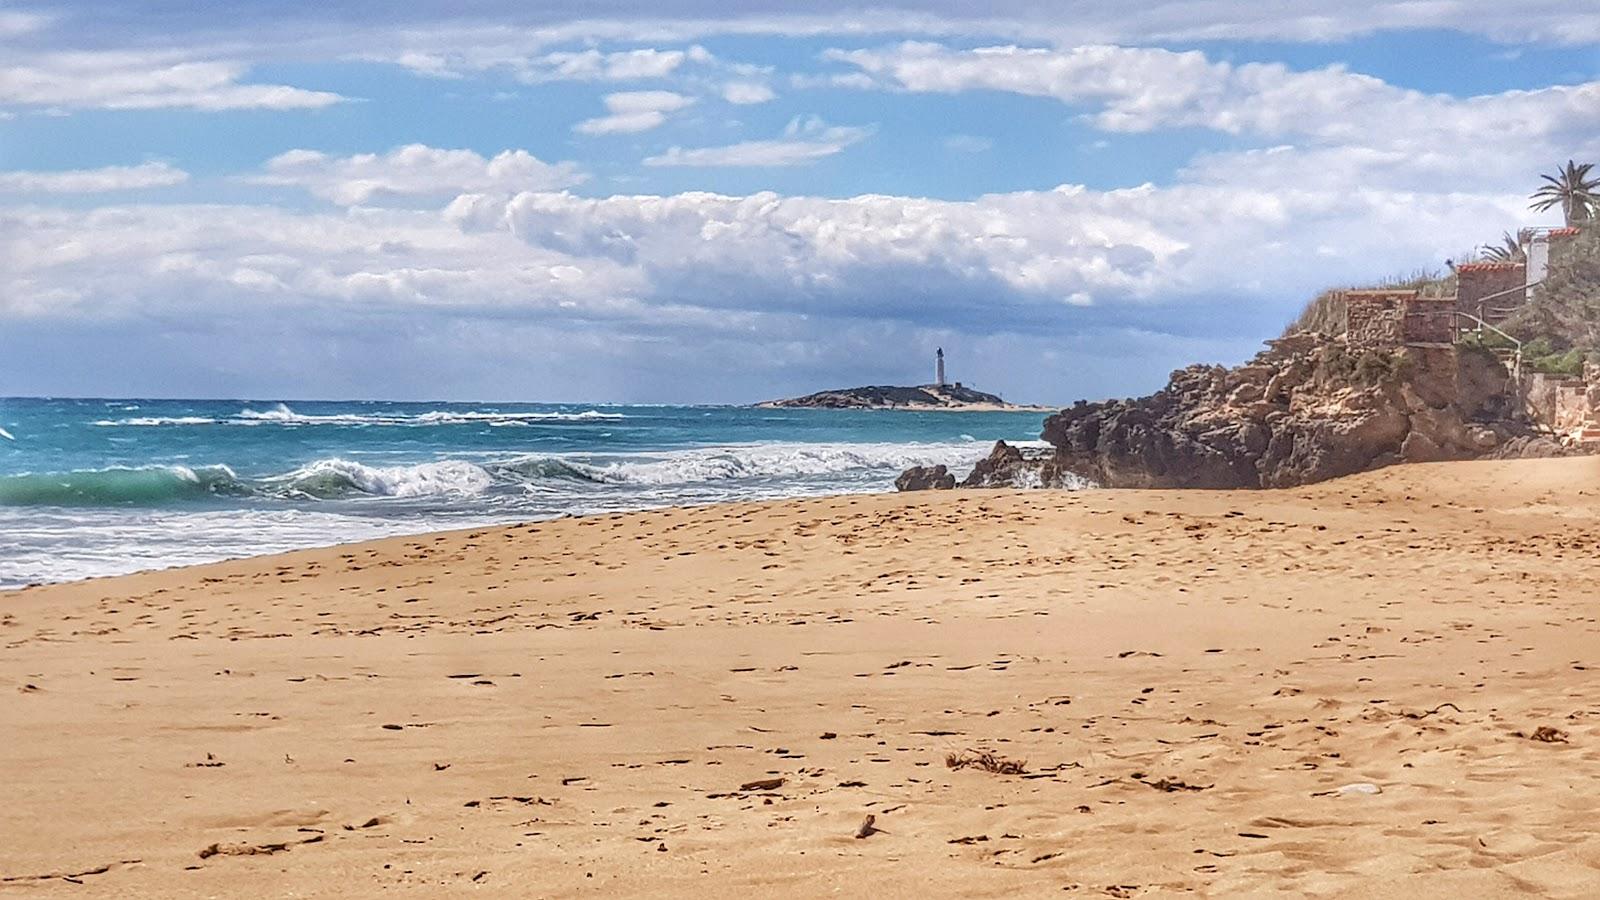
(1140, 89)
(967, 143)
(805, 140)
(91, 181)
(1004, 260)
(415, 171)
(1327, 176)
(631, 112)
(623, 65)
(1193, 266)
(451, 37)
(1019, 251)
(746, 93)
(1328, 126)
(529, 57)
(133, 80)
(14, 22)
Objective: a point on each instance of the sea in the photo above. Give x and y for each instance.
(92, 487)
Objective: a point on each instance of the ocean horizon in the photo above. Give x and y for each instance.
(105, 486)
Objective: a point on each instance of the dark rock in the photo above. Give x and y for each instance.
(925, 478)
(1531, 446)
(1011, 467)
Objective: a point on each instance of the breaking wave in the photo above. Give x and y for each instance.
(120, 486)
(773, 461)
(281, 414)
(332, 479)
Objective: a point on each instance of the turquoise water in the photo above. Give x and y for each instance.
(101, 487)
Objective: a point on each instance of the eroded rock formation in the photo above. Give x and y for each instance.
(1306, 409)
(925, 478)
(1008, 466)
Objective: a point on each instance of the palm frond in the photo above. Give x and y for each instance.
(1573, 190)
(1508, 250)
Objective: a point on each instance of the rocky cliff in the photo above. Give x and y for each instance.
(1306, 409)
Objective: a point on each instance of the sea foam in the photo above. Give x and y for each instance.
(334, 478)
(281, 414)
(337, 478)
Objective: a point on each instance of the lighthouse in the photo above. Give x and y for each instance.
(938, 367)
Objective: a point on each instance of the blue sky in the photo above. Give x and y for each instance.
(660, 202)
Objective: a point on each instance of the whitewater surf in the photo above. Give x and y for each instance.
(108, 486)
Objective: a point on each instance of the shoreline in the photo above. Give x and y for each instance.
(640, 702)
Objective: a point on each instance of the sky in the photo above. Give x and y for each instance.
(659, 202)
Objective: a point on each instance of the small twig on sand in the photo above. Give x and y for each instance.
(866, 829)
(1427, 713)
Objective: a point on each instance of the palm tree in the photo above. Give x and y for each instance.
(1508, 250)
(1573, 190)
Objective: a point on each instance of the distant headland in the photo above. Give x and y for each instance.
(953, 397)
(941, 395)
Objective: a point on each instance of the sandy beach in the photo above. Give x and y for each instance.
(1376, 687)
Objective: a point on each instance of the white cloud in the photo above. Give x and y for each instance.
(1145, 89)
(804, 141)
(415, 170)
(737, 280)
(457, 44)
(130, 80)
(634, 111)
(1007, 253)
(1329, 127)
(967, 143)
(1331, 176)
(624, 65)
(14, 23)
(745, 93)
(999, 262)
(90, 181)
(527, 56)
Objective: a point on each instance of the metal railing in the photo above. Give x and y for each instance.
(1516, 353)
(1482, 301)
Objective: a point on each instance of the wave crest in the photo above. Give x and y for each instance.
(283, 415)
(752, 461)
(119, 485)
(761, 466)
(331, 479)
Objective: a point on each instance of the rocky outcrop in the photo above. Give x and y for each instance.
(1306, 409)
(925, 478)
(880, 396)
(1008, 466)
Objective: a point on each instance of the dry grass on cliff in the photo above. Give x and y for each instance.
(1325, 313)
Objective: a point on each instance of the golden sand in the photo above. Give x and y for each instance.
(712, 701)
